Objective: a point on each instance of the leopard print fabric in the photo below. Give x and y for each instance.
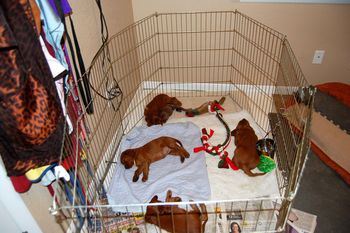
(31, 120)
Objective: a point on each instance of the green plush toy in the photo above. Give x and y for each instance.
(266, 164)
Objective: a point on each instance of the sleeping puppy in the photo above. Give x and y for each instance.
(151, 152)
(175, 219)
(245, 155)
(160, 109)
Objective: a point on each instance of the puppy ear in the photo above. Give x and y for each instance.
(156, 120)
(233, 132)
(154, 199)
(175, 102)
(125, 155)
(131, 153)
(122, 157)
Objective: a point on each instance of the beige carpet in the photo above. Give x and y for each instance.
(329, 142)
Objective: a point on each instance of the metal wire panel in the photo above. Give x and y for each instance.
(257, 50)
(200, 54)
(196, 48)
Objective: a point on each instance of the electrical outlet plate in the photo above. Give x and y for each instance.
(318, 57)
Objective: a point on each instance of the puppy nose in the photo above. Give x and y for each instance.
(127, 166)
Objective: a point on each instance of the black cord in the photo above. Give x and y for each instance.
(228, 131)
(112, 88)
(102, 22)
(84, 93)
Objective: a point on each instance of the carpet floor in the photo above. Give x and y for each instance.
(323, 193)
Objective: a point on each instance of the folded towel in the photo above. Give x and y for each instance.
(188, 180)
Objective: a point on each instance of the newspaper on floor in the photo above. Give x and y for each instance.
(301, 222)
(241, 217)
(118, 222)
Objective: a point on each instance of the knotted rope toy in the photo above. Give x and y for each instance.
(210, 106)
(218, 150)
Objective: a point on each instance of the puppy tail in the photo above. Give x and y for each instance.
(222, 100)
(250, 173)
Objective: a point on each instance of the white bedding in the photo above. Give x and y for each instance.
(227, 184)
(218, 185)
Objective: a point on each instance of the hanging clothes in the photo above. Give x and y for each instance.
(59, 73)
(53, 28)
(64, 4)
(47, 174)
(31, 119)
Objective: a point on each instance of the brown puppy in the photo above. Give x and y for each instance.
(153, 151)
(177, 220)
(160, 109)
(245, 155)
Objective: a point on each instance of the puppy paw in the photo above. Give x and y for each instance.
(135, 178)
(144, 179)
(182, 159)
(169, 193)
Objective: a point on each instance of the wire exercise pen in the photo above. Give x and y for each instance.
(187, 55)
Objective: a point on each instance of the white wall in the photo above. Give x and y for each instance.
(118, 14)
(15, 216)
(307, 26)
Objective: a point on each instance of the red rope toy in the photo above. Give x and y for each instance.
(218, 150)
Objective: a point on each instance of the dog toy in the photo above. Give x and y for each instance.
(218, 150)
(223, 163)
(266, 164)
(210, 106)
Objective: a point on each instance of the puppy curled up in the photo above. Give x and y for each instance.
(245, 155)
(151, 152)
(174, 219)
(161, 107)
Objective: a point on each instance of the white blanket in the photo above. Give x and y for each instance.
(188, 180)
(227, 184)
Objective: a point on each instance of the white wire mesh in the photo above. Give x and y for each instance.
(191, 55)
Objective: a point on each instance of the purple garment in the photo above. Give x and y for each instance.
(65, 6)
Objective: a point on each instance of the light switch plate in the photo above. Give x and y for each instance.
(318, 57)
